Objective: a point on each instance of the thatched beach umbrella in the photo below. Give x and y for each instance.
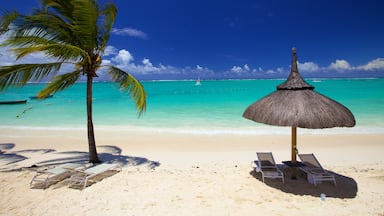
(296, 104)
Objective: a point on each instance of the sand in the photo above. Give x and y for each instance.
(190, 174)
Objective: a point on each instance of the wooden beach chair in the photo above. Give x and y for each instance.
(315, 172)
(45, 178)
(267, 166)
(80, 178)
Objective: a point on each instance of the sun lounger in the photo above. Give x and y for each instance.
(315, 172)
(81, 177)
(267, 166)
(45, 178)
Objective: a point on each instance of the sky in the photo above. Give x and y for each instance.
(239, 39)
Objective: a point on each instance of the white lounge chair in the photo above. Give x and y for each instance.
(81, 177)
(315, 172)
(47, 177)
(267, 166)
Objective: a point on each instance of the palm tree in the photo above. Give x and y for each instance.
(71, 32)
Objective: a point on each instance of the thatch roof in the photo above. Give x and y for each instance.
(294, 80)
(296, 104)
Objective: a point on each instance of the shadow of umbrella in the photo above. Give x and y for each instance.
(296, 104)
(347, 187)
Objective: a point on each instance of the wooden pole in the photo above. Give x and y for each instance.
(293, 152)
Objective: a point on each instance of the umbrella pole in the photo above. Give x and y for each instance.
(293, 152)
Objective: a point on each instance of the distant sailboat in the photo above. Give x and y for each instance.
(198, 82)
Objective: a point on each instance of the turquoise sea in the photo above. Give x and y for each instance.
(183, 107)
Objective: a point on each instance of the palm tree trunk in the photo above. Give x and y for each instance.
(93, 158)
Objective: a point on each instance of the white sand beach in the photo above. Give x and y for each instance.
(188, 174)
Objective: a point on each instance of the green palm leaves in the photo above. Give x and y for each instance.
(68, 32)
(74, 32)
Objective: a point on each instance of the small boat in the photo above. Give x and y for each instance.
(13, 102)
(35, 97)
(198, 82)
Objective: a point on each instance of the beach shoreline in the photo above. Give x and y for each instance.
(192, 174)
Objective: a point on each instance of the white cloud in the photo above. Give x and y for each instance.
(129, 32)
(202, 70)
(106, 62)
(148, 66)
(280, 70)
(340, 64)
(110, 50)
(238, 69)
(246, 67)
(124, 57)
(373, 65)
(308, 66)
(271, 71)
(147, 62)
(6, 57)
(125, 60)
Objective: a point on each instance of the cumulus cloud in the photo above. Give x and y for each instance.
(308, 66)
(110, 50)
(123, 57)
(373, 65)
(270, 71)
(147, 66)
(340, 64)
(147, 62)
(125, 61)
(129, 32)
(106, 62)
(8, 58)
(203, 70)
(246, 67)
(238, 69)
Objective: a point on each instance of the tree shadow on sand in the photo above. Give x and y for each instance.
(9, 158)
(6, 146)
(123, 160)
(346, 187)
(109, 154)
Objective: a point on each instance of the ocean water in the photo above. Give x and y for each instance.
(181, 106)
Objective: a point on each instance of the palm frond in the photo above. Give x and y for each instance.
(108, 15)
(27, 41)
(60, 83)
(62, 52)
(6, 20)
(19, 75)
(128, 83)
(85, 15)
(43, 25)
(55, 27)
(62, 7)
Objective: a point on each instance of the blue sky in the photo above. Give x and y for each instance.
(174, 39)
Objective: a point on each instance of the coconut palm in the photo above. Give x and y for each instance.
(70, 32)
